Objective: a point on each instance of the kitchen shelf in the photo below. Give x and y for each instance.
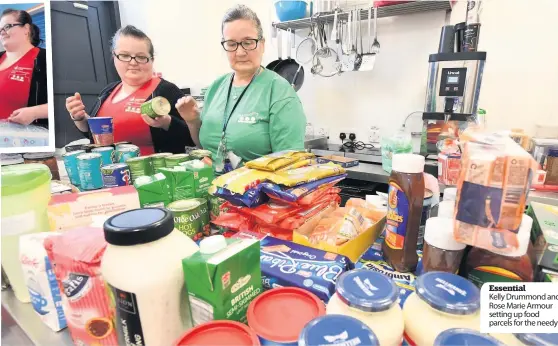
(384, 11)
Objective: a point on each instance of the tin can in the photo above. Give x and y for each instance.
(107, 154)
(204, 212)
(200, 154)
(70, 162)
(89, 167)
(89, 147)
(175, 160)
(126, 151)
(214, 206)
(426, 209)
(116, 174)
(187, 217)
(140, 166)
(156, 107)
(158, 160)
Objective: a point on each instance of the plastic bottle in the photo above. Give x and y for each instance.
(405, 201)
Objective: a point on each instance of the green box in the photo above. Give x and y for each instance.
(181, 182)
(153, 191)
(544, 235)
(203, 176)
(222, 285)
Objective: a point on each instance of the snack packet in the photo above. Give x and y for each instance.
(298, 176)
(241, 180)
(235, 222)
(271, 212)
(251, 198)
(293, 194)
(275, 161)
(300, 218)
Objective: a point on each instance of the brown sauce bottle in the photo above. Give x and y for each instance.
(405, 200)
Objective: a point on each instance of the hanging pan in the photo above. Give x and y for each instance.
(272, 65)
(289, 68)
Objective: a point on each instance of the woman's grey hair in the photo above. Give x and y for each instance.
(242, 12)
(131, 31)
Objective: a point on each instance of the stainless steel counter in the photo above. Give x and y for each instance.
(22, 326)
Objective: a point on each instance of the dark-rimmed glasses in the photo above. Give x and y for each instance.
(7, 27)
(247, 44)
(127, 58)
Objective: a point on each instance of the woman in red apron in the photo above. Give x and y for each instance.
(22, 71)
(133, 58)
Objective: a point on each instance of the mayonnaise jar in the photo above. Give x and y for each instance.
(142, 266)
(371, 298)
(441, 301)
(528, 339)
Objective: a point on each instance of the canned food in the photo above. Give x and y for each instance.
(156, 107)
(200, 154)
(426, 209)
(126, 151)
(89, 147)
(89, 168)
(187, 217)
(204, 212)
(70, 162)
(107, 154)
(175, 160)
(116, 174)
(140, 166)
(158, 160)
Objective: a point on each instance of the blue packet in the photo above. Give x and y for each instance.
(286, 264)
(292, 194)
(251, 198)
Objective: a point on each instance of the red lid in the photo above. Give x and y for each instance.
(280, 314)
(220, 333)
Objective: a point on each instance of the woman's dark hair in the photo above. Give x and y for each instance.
(25, 18)
(132, 31)
(242, 12)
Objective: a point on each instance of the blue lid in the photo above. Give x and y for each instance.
(448, 293)
(463, 337)
(539, 339)
(367, 290)
(337, 330)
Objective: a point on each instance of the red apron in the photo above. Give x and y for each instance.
(126, 114)
(16, 82)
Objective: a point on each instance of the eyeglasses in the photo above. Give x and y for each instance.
(7, 27)
(232, 46)
(127, 58)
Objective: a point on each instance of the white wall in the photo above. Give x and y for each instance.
(519, 85)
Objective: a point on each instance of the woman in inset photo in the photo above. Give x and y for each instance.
(23, 71)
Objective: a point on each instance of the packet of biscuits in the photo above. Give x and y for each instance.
(278, 160)
(297, 176)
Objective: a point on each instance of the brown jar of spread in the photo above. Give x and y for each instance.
(405, 200)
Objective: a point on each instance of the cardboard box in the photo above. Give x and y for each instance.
(544, 235)
(69, 211)
(342, 161)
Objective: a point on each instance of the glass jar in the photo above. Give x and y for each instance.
(441, 251)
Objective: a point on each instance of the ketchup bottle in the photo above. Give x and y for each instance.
(405, 200)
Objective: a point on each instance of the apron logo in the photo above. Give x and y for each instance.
(134, 105)
(250, 118)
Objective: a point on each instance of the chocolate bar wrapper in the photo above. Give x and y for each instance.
(286, 264)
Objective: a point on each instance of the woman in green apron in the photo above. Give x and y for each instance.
(250, 112)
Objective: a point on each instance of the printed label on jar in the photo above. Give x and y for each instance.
(397, 217)
(483, 274)
(128, 321)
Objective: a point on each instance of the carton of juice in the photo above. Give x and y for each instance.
(223, 277)
(203, 176)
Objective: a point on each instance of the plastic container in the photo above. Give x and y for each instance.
(102, 130)
(142, 267)
(371, 298)
(441, 252)
(219, 333)
(290, 9)
(337, 330)
(446, 209)
(465, 337)
(441, 301)
(399, 143)
(25, 196)
(279, 315)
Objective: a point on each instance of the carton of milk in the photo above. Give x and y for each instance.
(41, 281)
(222, 278)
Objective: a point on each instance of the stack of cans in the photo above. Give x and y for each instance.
(175, 160)
(126, 151)
(158, 160)
(140, 166)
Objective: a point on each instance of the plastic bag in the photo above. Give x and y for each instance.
(271, 212)
(251, 198)
(235, 222)
(293, 194)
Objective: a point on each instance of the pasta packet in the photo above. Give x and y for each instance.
(275, 161)
(241, 180)
(298, 176)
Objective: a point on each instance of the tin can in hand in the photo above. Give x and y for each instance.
(156, 107)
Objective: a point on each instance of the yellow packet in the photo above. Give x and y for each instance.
(298, 164)
(275, 161)
(242, 179)
(308, 174)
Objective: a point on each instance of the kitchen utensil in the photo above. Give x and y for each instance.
(369, 58)
(375, 49)
(304, 55)
(325, 61)
(272, 65)
(348, 59)
(358, 34)
(288, 67)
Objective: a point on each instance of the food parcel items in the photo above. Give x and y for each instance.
(223, 277)
(337, 330)
(74, 210)
(153, 191)
(143, 272)
(241, 180)
(191, 217)
(298, 164)
(544, 235)
(295, 194)
(284, 263)
(76, 258)
(492, 192)
(307, 174)
(41, 282)
(203, 176)
(219, 333)
(276, 161)
(180, 181)
(251, 198)
(371, 298)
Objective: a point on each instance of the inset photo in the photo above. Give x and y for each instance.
(25, 70)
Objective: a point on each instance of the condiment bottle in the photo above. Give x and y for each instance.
(441, 252)
(441, 301)
(142, 266)
(485, 266)
(371, 298)
(405, 200)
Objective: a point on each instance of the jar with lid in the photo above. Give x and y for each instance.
(143, 270)
(528, 339)
(441, 301)
(327, 330)
(378, 310)
(486, 266)
(465, 337)
(441, 251)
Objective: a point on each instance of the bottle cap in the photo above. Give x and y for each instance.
(138, 226)
(523, 237)
(450, 194)
(438, 232)
(213, 244)
(366, 290)
(448, 292)
(337, 330)
(407, 163)
(446, 209)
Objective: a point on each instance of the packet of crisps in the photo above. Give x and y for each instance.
(297, 176)
(241, 180)
(275, 161)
